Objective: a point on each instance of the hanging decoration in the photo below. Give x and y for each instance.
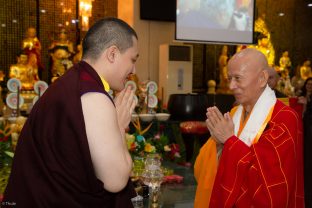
(85, 11)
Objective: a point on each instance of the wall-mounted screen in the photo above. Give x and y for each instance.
(220, 21)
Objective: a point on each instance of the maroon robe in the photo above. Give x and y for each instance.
(52, 166)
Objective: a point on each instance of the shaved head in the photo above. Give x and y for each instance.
(250, 57)
(248, 76)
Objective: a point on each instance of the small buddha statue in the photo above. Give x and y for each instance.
(223, 59)
(264, 46)
(63, 41)
(60, 62)
(211, 86)
(32, 47)
(78, 55)
(305, 70)
(61, 50)
(284, 64)
(23, 71)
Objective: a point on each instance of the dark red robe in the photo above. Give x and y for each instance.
(52, 166)
(267, 174)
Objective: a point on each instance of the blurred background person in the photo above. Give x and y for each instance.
(273, 80)
(306, 100)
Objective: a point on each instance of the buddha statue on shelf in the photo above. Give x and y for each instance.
(284, 64)
(265, 47)
(211, 86)
(305, 70)
(63, 41)
(263, 36)
(78, 55)
(23, 71)
(223, 59)
(60, 50)
(32, 47)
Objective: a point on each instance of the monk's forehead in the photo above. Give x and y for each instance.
(249, 59)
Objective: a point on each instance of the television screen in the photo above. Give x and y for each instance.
(222, 21)
(159, 10)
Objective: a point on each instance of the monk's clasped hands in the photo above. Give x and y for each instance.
(221, 127)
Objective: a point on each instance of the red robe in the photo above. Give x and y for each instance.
(267, 174)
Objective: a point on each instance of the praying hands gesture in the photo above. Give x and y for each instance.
(125, 104)
(221, 127)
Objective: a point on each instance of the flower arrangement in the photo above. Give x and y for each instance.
(6, 145)
(6, 153)
(140, 146)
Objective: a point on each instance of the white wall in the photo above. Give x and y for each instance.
(151, 34)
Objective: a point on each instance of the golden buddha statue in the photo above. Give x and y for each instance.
(78, 55)
(61, 50)
(264, 46)
(284, 64)
(223, 59)
(60, 58)
(24, 72)
(264, 41)
(32, 47)
(305, 70)
(63, 41)
(31, 41)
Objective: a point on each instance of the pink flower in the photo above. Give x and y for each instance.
(157, 136)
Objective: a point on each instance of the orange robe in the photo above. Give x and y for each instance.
(267, 174)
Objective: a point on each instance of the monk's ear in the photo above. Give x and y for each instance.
(264, 77)
(111, 53)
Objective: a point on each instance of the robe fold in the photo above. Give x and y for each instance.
(269, 173)
(52, 166)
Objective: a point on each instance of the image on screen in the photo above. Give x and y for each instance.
(223, 21)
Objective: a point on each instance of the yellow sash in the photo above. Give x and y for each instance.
(106, 85)
(205, 170)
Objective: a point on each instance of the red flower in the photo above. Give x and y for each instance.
(4, 139)
(175, 151)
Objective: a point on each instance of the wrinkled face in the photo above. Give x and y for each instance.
(124, 65)
(244, 82)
